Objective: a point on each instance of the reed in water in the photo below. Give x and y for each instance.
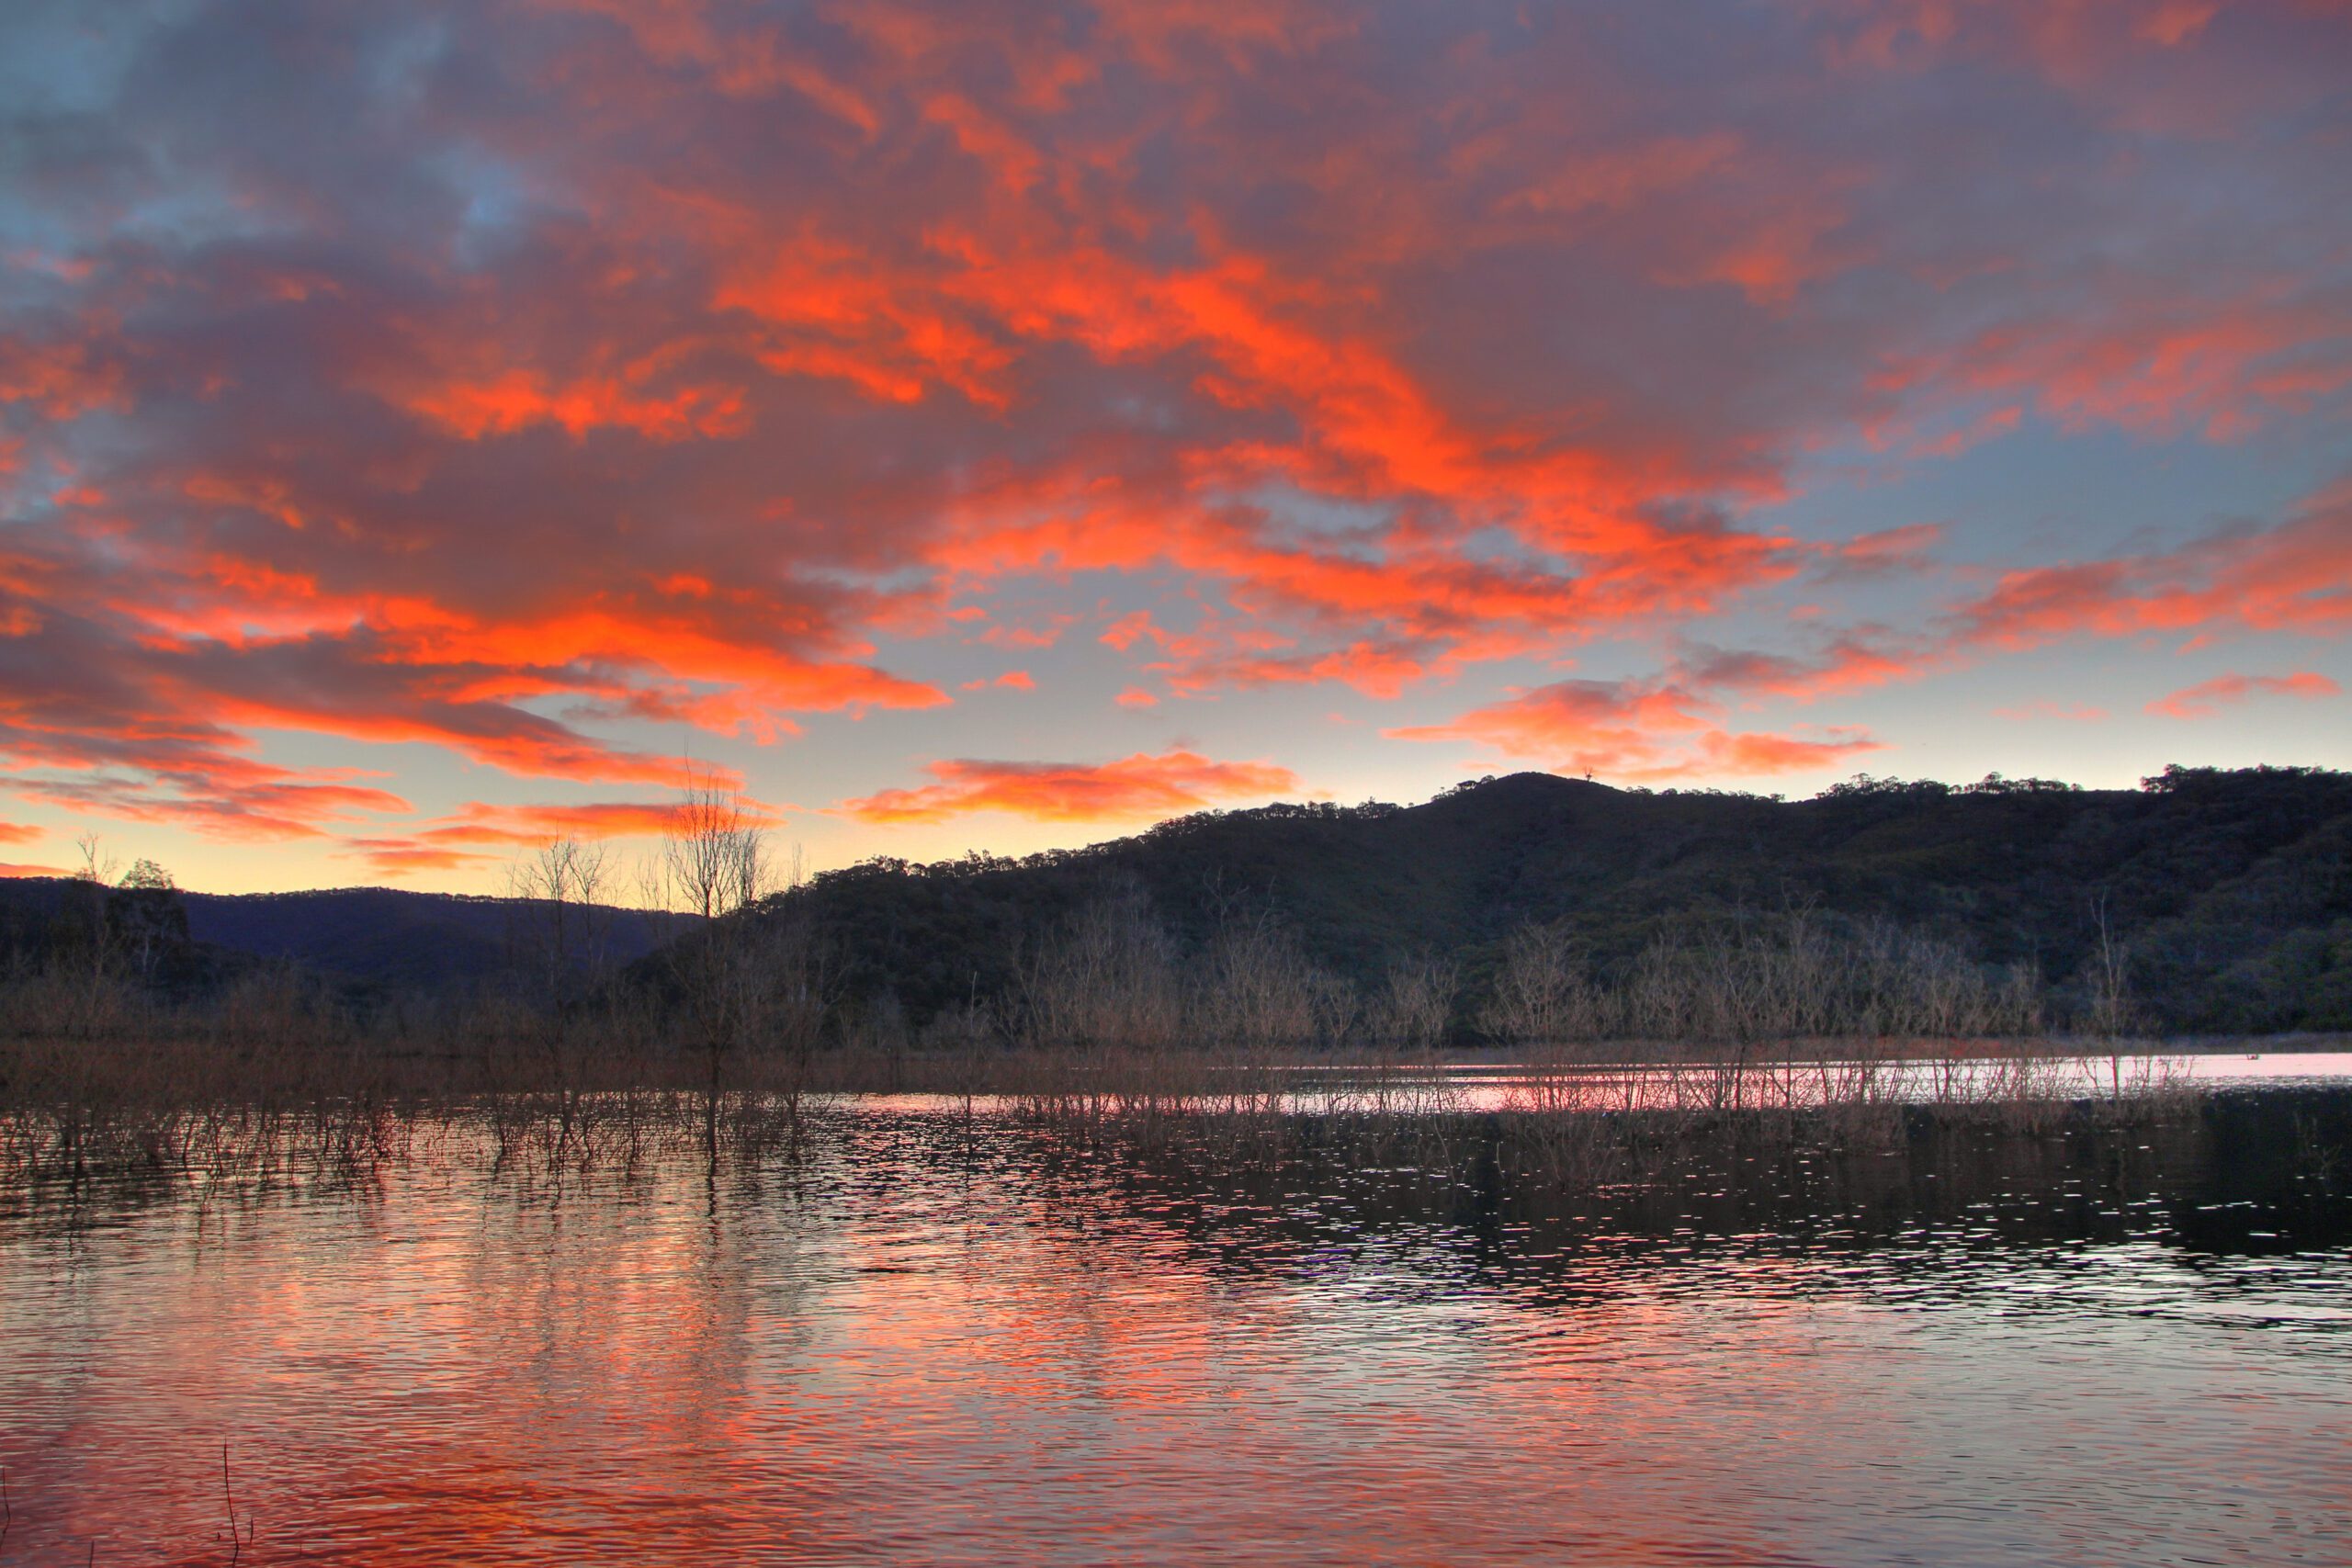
(728, 1038)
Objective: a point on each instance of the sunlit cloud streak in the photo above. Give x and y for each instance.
(523, 382)
(1635, 731)
(483, 833)
(2295, 577)
(2207, 698)
(1129, 789)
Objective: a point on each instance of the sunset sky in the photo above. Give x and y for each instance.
(425, 428)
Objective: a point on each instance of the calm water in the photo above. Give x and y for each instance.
(935, 1342)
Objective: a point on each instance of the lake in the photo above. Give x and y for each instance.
(930, 1340)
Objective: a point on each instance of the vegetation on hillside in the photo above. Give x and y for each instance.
(2205, 901)
(1714, 939)
(1506, 909)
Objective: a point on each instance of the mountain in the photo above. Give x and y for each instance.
(380, 939)
(395, 938)
(2232, 889)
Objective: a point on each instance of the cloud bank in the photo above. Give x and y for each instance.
(521, 382)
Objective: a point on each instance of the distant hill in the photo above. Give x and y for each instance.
(390, 936)
(2234, 889)
(382, 938)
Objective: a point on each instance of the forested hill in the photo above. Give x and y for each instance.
(2232, 889)
(393, 937)
(385, 939)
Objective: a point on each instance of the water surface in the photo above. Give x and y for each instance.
(929, 1340)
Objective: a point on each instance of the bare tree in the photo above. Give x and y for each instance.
(1412, 1009)
(715, 858)
(96, 876)
(560, 929)
(1110, 980)
(1543, 996)
(87, 963)
(746, 976)
(2109, 976)
(1256, 990)
(98, 866)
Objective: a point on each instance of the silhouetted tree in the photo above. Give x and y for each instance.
(146, 919)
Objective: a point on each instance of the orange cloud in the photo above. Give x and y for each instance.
(1138, 786)
(2226, 368)
(2209, 697)
(480, 833)
(18, 833)
(1130, 629)
(1851, 662)
(1751, 755)
(400, 857)
(1029, 637)
(478, 822)
(220, 796)
(1634, 731)
(2296, 577)
(722, 351)
(516, 399)
(1976, 432)
(1888, 550)
(2089, 46)
(61, 379)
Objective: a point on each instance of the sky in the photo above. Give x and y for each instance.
(430, 429)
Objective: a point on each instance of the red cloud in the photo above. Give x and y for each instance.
(2296, 577)
(2209, 697)
(515, 399)
(1853, 661)
(401, 857)
(1630, 730)
(2226, 368)
(670, 361)
(479, 832)
(63, 378)
(18, 833)
(1584, 723)
(1044, 636)
(481, 823)
(1137, 787)
(1750, 755)
(1977, 431)
(1888, 551)
(1128, 629)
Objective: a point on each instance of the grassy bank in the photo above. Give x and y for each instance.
(291, 1089)
(726, 1039)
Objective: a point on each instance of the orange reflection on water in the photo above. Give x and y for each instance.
(933, 1344)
